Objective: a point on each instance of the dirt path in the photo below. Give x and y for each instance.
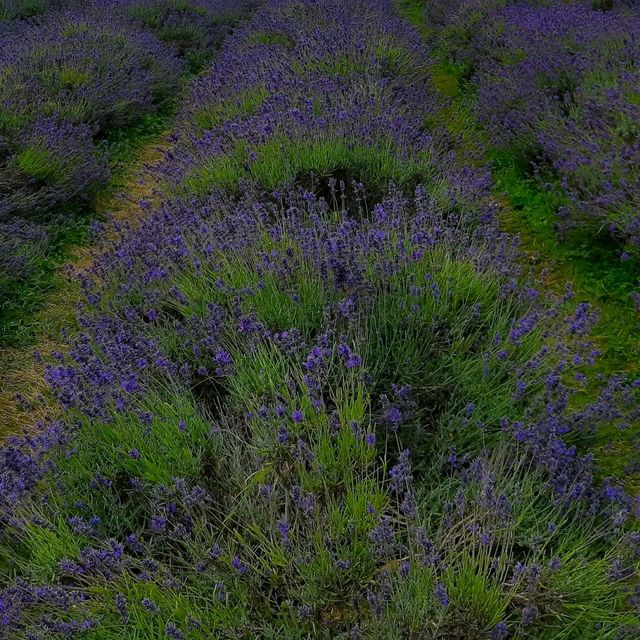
(24, 397)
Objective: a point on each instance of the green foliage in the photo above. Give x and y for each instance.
(60, 79)
(46, 547)
(246, 103)
(166, 448)
(280, 160)
(279, 39)
(414, 11)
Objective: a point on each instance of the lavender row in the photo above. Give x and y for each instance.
(558, 82)
(25, 9)
(69, 77)
(280, 409)
(80, 72)
(326, 90)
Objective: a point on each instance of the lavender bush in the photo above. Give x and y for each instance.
(195, 27)
(76, 78)
(557, 81)
(287, 100)
(23, 246)
(70, 77)
(325, 414)
(243, 409)
(95, 65)
(582, 115)
(49, 162)
(24, 9)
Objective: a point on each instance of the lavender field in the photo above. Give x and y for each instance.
(320, 319)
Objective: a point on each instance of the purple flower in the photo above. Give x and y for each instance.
(265, 490)
(529, 614)
(224, 363)
(121, 606)
(173, 632)
(441, 594)
(353, 361)
(305, 501)
(400, 473)
(283, 435)
(159, 524)
(239, 566)
(215, 552)
(221, 593)
(283, 530)
(381, 537)
(500, 631)
(150, 606)
(130, 385)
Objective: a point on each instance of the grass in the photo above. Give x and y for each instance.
(37, 163)
(414, 12)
